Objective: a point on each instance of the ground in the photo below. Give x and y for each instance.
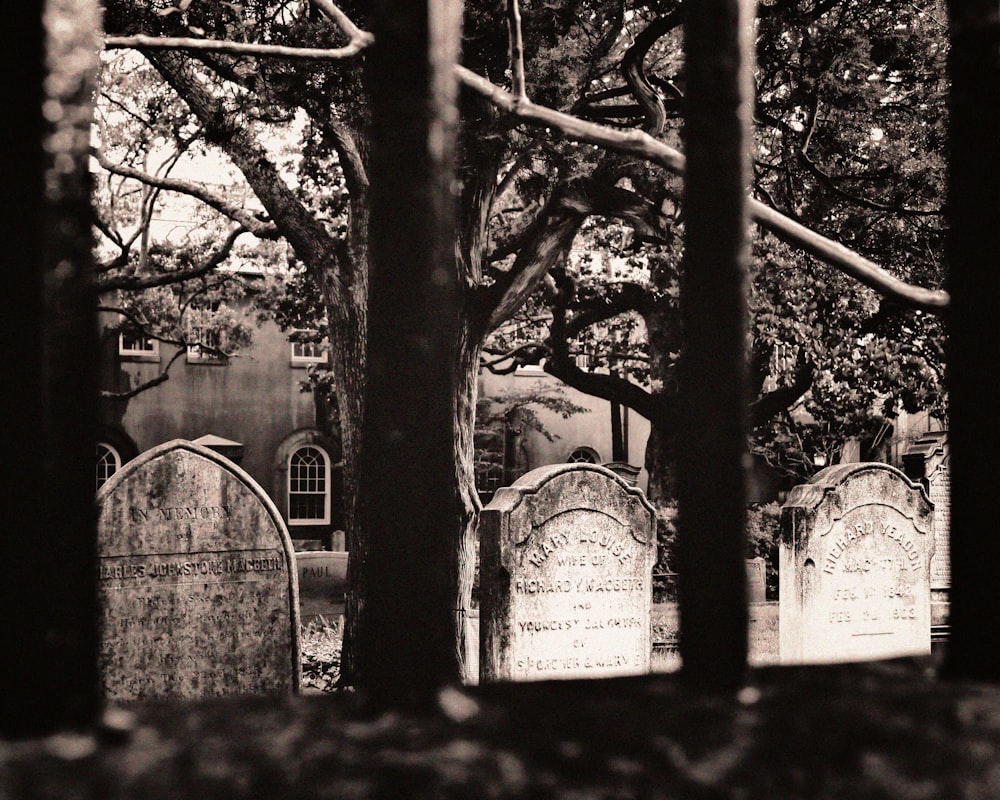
(881, 730)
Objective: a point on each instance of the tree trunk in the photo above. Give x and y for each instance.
(466, 497)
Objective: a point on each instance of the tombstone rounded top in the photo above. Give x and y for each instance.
(538, 477)
(828, 479)
(137, 463)
(844, 486)
(549, 491)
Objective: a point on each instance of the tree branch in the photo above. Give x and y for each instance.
(516, 44)
(641, 144)
(600, 306)
(143, 42)
(307, 235)
(134, 282)
(162, 377)
(769, 405)
(635, 74)
(249, 222)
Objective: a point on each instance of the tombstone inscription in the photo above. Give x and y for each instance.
(566, 560)
(196, 581)
(322, 583)
(855, 554)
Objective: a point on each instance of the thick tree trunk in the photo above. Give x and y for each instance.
(467, 504)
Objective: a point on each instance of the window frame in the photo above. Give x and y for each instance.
(110, 448)
(298, 360)
(194, 355)
(137, 354)
(327, 486)
(583, 448)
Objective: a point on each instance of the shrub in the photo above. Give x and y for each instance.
(321, 642)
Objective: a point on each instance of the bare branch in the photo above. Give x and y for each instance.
(641, 144)
(142, 42)
(259, 228)
(352, 31)
(516, 50)
(162, 377)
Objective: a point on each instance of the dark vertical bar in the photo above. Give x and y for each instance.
(407, 639)
(617, 433)
(712, 429)
(49, 345)
(974, 333)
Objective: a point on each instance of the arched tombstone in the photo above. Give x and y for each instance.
(566, 563)
(854, 570)
(196, 580)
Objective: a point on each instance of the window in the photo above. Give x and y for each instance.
(584, 455)
(205, 342)
(307, 352)
(309, 486)
(133, 343)
(108, 463)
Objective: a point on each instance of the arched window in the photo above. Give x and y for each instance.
(309, 486)
(584, 455)
(108, 463)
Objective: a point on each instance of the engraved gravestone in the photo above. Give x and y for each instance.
(566, 560)
(855, 555)
(928, 462)
(196, 580)
(756, 580)
(322, 583)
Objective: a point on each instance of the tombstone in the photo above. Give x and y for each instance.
(566, 560)
(756, 580)
(322, 582)
(195, 578)
(855, 555)
(927, 461)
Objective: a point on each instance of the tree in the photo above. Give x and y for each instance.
(851, 360)
(568, 54)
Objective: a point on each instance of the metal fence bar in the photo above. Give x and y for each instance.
(47, 521)
(712, 427)
(974, 334)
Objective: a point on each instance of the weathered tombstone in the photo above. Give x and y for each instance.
(928, 462)
(197, 589)
(566, 560)
(855, 553)
(322, 582)
(756, 580)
